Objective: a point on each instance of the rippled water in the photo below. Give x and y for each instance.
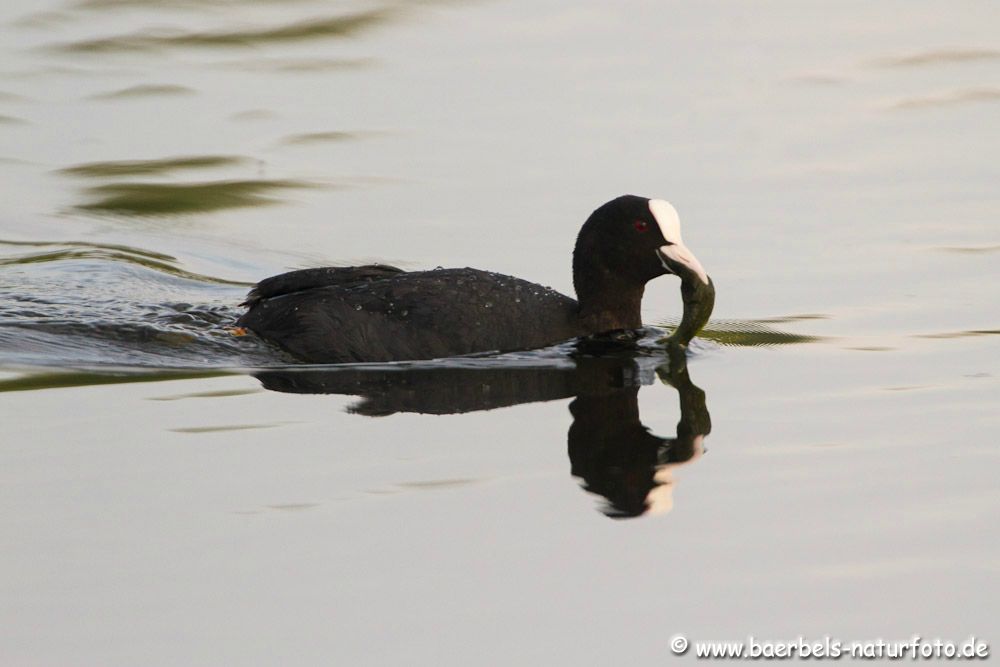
(821, 463)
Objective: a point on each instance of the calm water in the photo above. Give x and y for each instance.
(822, 463)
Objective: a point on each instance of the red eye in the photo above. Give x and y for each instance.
(641, 226)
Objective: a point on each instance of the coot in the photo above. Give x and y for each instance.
(382, 313)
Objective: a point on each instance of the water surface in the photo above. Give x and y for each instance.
(822, 462)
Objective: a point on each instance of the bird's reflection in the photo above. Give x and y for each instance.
(618, 458)
(610, 450)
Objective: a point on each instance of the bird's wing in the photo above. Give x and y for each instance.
(297, 281)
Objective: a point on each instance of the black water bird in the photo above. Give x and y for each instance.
(380, 313)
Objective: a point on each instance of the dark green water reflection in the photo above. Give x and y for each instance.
(78, 250)
(33, 380)
(144, 90)
(346, 25)
(118, 168)
(184, 198)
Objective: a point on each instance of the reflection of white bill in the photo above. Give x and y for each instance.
(660, 498)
